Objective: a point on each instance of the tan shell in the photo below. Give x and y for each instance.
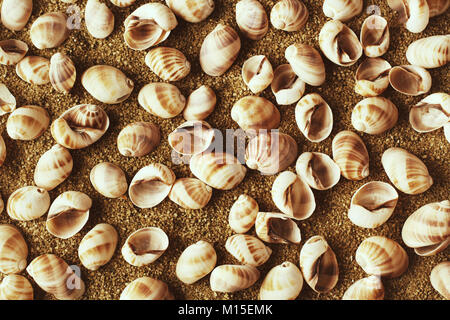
(107, 84)
(252, 19)
(99, 19)
(191, 137)
(232, 278)
(319, 265)
(382, 257)
(257, 73)
(431, 113)
(374, 115)
(62, 72)
(2, 151)
(248, 250)
(193, 11)
(28, 203)
(68, 214)
(27, 123)
(34, 70)
(200, 104)
(306, 63)
(146, 288)
(372, 77)
(243, 214)
(2, 204)
(318, 170)
(49, 30)
(350, 154)
(145, 246)
(293, 196)
(406, 172)
(190, 193)
(122, 3)
(286, 86)
(375, 36)
(255, 113)
(195, 262)
(283, 282)
(16, 287)
(342, 10)
(109, 180)
(410, 80)
(314, 117)
(370, 288)
(413, 13)
(151, 185)
(167, 63)
(80, 126)
(289, 15)
(15, 14)
(275, 227)
(219, 50)
(162, 99)
(440, 279)
(437, 7)
(13, 250)
(430, 52)
(138, 139)
(12, 51)
(427, 230)
(97, 246)
(53, 167)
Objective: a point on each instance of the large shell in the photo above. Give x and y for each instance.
(286, 86)
(2, 151)
(16, 287)
(34, 70)
(257, 73)
(430, 52)
(254, 113)
(243, 214)
(53, 167)
(27, 123)
(193, 11)
(372, 77)
(275, 227)
(318, 170)
(248, 250)
(146, 288)
(190, 193)
(410, 80)
(12, 51)
(232, 278)
(314, 117)
(431, 113)
(375, 36)
(437, 7)
(99, 19)
(162, 99)
(196, 261)
(28, 203)
(49, 30)
(252, 19)
(283, 282)
(200, 104)
(62, 72)
(342, 10)
(306, 63)
(191, 137)
(122, 3)
(15, 14)
(109, 180)
(13, 250)
(370, 288)
(440, 279)
(138, 139)
(289, 15)
(167, 63)
(374, 115)
(414, 14)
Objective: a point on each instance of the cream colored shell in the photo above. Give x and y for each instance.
(430, 52)
(243, 214)
(342, 10)
(109, 180)
(190, 193)
(318, 170)
(232, 278)
(15, 14)
(196, 262)
(62, 72)
(372, 77)
(191, 137)
(430, 113)
(307, 63)
(257, 73)
(146, 288)
(252, 19)
(286, 86)
(283, 282)
(12, 51)
(27, 123)
(2, 151)
(28, 203)
(34, 70)
(49, 30)
(167, 63)
(16, 287)
(375, 37)
(289, 15)
(314, 117)
(193, 11)
(162, 99)
(13, 250)
(200, 103)
(99, 19)
(374, 115)
(122, 3)
(410, 80)
(53, 167)
(370, 288)
(437, 7)
(138, 139)
(275, 227)
(414, 14)
(248, 250)
(255, 113)
(440, 279)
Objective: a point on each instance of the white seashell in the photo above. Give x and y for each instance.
(254, 113)
(370, 288)
(109, 180)
(196, 262)
(289, 15)
(146, 288)
(53, 167)
(286, 86)
(431, 113)
(248, 250)
(430, 52)
(122, 3)
(99, 19)
(342, 10)
(243, 214)
(257, 73)
(138, 139)
(440, 279)
(62, 72)
(193, 11)
(190, 193)
(372, 77)
(410, 80)
(275, 227)
(192, 137)
(28, 203)
(232, 278)
(283, 282)
(34, 70)
(13, 250)
(16, 287)
(375, 36)
(49, 30)
(374, 115)
(307, 63)
(437, 7)
(12, 51)
(27, 123)
(252, 19)
(318, 170)
(200, 104)
(167, 63)
(163, 100)
(414, 14)
(7, 100)
(15, 14)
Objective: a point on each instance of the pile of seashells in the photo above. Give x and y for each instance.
(427, 230)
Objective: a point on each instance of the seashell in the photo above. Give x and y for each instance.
(200, 104)
(406, 172)
(372, 77)
(190, 193)
(62, 72)
(68, 214)
(219, 50)
(107, 84)
(219, 170)
(271, 152)
(293, 196)
(306, 63)
(427, 230)
(374, 115)
(243, 214)
(167, 63)
(13, 250)
(145, 246)
(232, 278)
(16, 287)
(439, 278)
(146, 288)
(7, 100)
(257, 72)
(342, 10)
(437, 7)
(163, 100)
(2, 204)
(195, 262)
(191, 137)
(122, 3)
(148, 25)
(53, 167)
(430, 52)
(193, 11)
(15, 14)
(138, 139)
(56, 277)
(252, 19)
(410, 80)
(109, 180)
(314, 117)
(286, 86)
(370, 288)
(413, 13)
(80, 126)
(2, 153)
(255, 113)
(350, 154)
(277, 228)
(375, 36)
(382, 257)
(372, 204)
(49, 30)
(283, 282)
(319, 265)
(97, 246)
(447, 132)
(27, 123)
(318, 170)
(12, 51)
(28, 203)
(99, 19)
(151, 185)
(34, 70)
(248, 250)
(431, 113)
(289, 15)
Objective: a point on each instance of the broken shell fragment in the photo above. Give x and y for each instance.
(374, 115)
(146, 288)
(15, 14)
(28, 203)
(439, 279)
(190, 193)
(12, 51)
(16, 287)
(191, 137)
(7, 100)
(286, 86)
(277, 228)
(232, 278)
(49, 30)
(314, 117)
(62, 72)
(283, 282)
(342, 10)
(289, 15)
(243, 214)
(255, 113)
(410, 80)
(13, 250)
(248, 250)
(431, 113)
(257, 73)
(167, 63)
(437, 7)
(34, 70)
(27, 123)
(370, 288)
(99, 19)
(109, 180)
(375, 36)
(372, 77)
(163, 100)
(138, 139)
(306, 63)
(252, 19)
(195, 262)
(193, 11)
(200, 104)
(414, 14)
(53, 167)
(318, 170)
(430, 52)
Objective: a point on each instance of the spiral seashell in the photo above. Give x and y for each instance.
(370, 288)
(34, 70)
(350, 154)
(163, 100)
(27, 123)
(190, 193)
(2, 153)
(200, 104)
(252, 19)
(372, 77)
(49, 30)
(286, 86)
(275, 227)
(410, 80)
(16, 287)
(406, 172)
(53, 167)
(243, 214)
(62, 72)
(319, 265)
(219, 50)
(138, 139)
(232, 278)
(12, 51)
(375, 36)
(437, 7)
(15, 14)
(257, 73)
(318, 170)
(414, 14)
(255, 113)
(439, 279)
(289, 15)
(80, 126)
(195, 262)
(193, 11)
(99, 19)
(430, 52)
(167, 63)
(145, 246)
(28, 203)
(146, 288)
(13, 250)
(191, 137)
(122, 3)
(97, 246)
(431, 113)
(306, 63)
(342, 10)
(248, 250)
(283, 282)
(374, 115)
(314, 117)
(109, 180)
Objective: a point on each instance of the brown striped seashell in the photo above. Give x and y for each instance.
(15, 14)
(437, 7)
(431, 113)
(146, 288)
(275, 227)
(439, 278)
(410, 80)
(28, 203)
(122, 3)
(138, 139)
(16, 287)
(13, 250)
(167, 63)
(318, 170)
(255, 113)
(342, 10)
(163, 100)
(414, 14)
(200, 104)
(27, 123)
(375, 36)
(53, 167)
(306, 63)
(248, 250)
(252, 19)
(374, 115)
(109, 180)
(257, 73)
(370, 288)
(191, 137)
(190, 193)
(34, 70)
(62, 72)
(7, 100)
(2, 152)
(12, 51)
(283, 282)
(314, 117)
(243, 214)
(193, 11)
(99, 19)
(430, 52)
(286, 86)
(49, 30)
(196, 262)
(289, 15)
(372, 77)
(232, 278)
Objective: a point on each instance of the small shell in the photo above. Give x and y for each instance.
(257, 73)
(146, 288)
(248, 250)
(293, 196)
(447, 132)
(219, 50)
(430, 52)
(190, 193)
(372, 77)
(138, 139)
(374, 115)
(382, 257)
(410, 80)
(437, 7)
(109, 180)
(99, 19)
(277, 228)
(372, 204)
(2, 204)
(191, 137)
(163, 100)
(144, 246)
(318, 170)
(406, 172)
(12, 51)
(370, 288)
(319, 265)
(255, 113)
(283, 282)
(80, 126)
(431, 113)
(68, 214)
(13, 250)
(196, 261)
(122, 3)
(200, 104)
(62, 72)
(49, 30)
(342, 10)
(252, 19)
(306, 63)
(107, 84)
(193, 11)
(289, 15)
(28, 203)
(2, 151)
(167, 63)
(413, 13)
(27, 123)
(53, 167)
(15, 14)
(440, 279)
(286, 86)
(375, 36)
(339, 43)
(243, 214)
(350, 154)
(232, 278)
(219, 170)
(34, 70)
(16, 287)
(97, 246)
(151, 185)
(314, 117)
